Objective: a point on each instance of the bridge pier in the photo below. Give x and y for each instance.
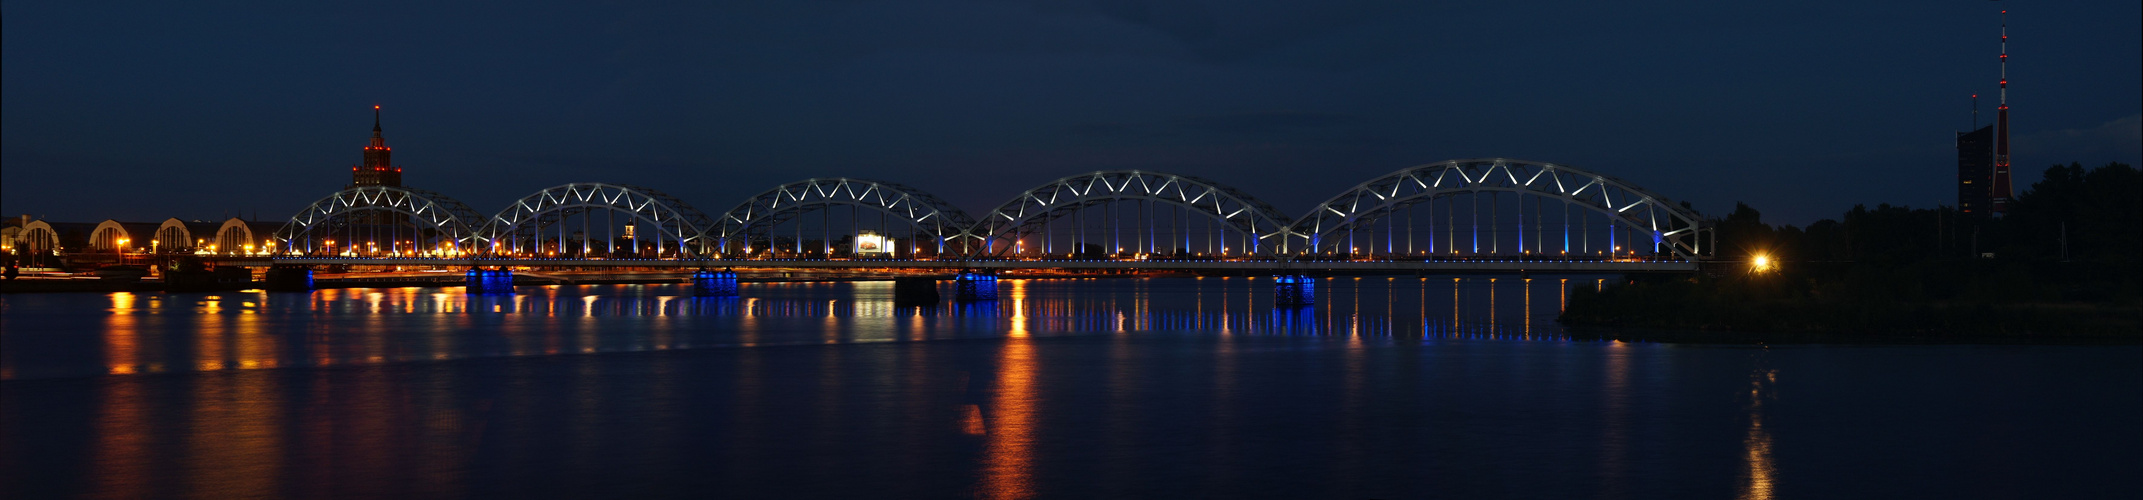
(915, 291)
(975, 286)
(714, 283)
(289, 278)
(1293, 290)
(483, 281)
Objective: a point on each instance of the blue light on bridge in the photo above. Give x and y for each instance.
(1293, 290)
(714, 283)
(977, 286)
(483, 281)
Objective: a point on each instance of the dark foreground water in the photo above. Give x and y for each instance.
(1163, 388)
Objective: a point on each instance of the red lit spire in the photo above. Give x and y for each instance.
(378, 168)
(377, 141)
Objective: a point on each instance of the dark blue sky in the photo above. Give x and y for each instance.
(1798, 108)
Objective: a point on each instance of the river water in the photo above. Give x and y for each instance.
(1108, 388)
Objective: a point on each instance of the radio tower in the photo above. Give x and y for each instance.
(2002, 192)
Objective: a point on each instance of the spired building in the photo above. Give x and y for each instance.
(378, 168)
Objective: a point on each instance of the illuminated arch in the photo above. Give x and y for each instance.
(235, 236)
(173, 237)
(110, 235)
(385, 205)
(37, 238)
(922, 212)
(1264, 227)
(668, 222)
(1674, 228)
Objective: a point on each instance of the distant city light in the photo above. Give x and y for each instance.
(1761, 263)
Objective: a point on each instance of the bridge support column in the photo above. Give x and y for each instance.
(714, 283)
(976, 286)
(289, 278)
(1293, 290)
(482, 281)
(915, 291)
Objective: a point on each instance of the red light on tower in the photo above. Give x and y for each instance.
(378, 168)
(2002, 190)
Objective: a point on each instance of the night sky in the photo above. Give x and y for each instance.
(1798, 108)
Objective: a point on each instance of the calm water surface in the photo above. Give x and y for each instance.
(1388, 388)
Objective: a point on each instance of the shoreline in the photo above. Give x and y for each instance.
(1809, 337)
(1690, 311)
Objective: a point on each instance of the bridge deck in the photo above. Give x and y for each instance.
(1246, 265)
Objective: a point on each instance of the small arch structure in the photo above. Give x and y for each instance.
(668, 225)
(37, 238)
(1261, 228)
(1672, 229)
(237, 237)
(173, 237)
(112, 235)
(367, 211)
(923, 213)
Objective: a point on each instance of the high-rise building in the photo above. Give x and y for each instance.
(378, 168)
(1975, 171)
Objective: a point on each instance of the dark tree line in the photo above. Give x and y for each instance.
(2070, 215)
(2067, 259)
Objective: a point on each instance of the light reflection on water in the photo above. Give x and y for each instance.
(1076, 388)
(337, 327)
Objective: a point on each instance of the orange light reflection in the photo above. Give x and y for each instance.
(1008, 453)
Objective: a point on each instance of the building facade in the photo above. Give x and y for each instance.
(1975, 172)
(378, 168)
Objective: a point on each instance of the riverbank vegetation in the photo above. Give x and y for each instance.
(2066, 261)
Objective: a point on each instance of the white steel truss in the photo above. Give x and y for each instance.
(1263, 227)
(1674, 228)
(450, 220)
(664, 222)
(924, 213)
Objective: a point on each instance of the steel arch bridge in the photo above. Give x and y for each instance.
(1468, 212)
(674, 227)
(1031, 212)
(922, 212)
(368, 209)
(1671, 228)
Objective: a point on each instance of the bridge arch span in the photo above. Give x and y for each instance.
(1627, 209)
(434, 223)
(748, 226)
(653, 223)
(1258, 227)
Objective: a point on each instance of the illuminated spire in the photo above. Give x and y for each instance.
(378, 168)
(378, 142)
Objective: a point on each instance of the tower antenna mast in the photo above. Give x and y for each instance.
(2002, 190)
